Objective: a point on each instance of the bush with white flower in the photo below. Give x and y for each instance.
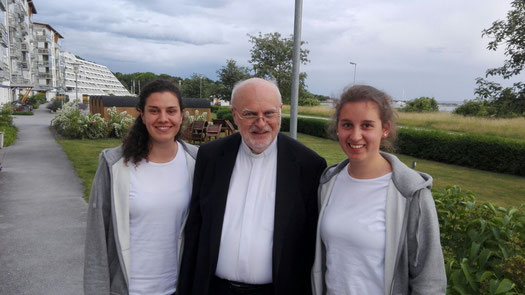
(118, 123)
(72, 122)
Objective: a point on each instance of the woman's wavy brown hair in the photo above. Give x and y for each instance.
(136, 144)
(383, 101)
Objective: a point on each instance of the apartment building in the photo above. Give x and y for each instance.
(19, 14)
(5, 73)
(47, 70)
(31, 59)
(88, 78)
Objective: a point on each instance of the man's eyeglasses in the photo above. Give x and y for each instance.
(253, 116)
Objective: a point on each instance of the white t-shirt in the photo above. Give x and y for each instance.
(158, 202)
(353, 232)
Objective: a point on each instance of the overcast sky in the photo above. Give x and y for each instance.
(409, 48)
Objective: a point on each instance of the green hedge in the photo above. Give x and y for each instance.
(314, 127)
(483, 152)
(471, 150)
(225, 114)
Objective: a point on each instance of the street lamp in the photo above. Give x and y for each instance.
(76, 70)
(355, 69)
(200, 86)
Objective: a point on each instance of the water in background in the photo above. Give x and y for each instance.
(444, 106)
(448, 106)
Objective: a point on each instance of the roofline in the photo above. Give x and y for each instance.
(49, 27)
(30, 3)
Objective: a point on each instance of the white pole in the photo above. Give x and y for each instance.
(355, 69)
(294, 99)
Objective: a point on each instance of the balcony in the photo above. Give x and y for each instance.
(4, 66)
(43, 37)
(45, 63)
(44, 51)
(15, 53)
(45, 75)
(4, 40)
(19, 80)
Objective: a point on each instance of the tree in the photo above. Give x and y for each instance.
(495, 100)
(228, 76)
(271, 57)
(141, 79)
(422, 105)
(510, 32)
(198, 86)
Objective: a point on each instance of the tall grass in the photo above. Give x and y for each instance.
(319, 111)
(509, 128)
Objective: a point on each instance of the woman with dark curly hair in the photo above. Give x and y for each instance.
(139, 202)
(378, 230)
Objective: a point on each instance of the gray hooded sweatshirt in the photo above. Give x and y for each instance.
(414, 261)
(107, 249)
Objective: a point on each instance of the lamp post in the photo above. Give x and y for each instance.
(355, 69)
(76, 70)
(200, 86)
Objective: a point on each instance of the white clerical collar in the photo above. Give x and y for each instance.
(267, 152)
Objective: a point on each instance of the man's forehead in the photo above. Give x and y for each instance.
(257, 93)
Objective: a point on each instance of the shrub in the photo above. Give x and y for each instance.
(483, 245)
(471, 150)
(71, 122)
(6, 115)
(214, 108)
(94, 127)
(472, 108)
(225, 113)
(421, 105)
(308, 102)
(23, 113)
(55, 104)
(310, 126)
(118, 123)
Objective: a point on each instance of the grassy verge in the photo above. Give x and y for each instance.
(10, 134)
(509, 128)
(83, 154)
(502, 189)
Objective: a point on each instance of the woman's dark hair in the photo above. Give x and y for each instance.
(365, 93)
(136, 144)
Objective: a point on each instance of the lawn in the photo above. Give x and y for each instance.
(83, 154)
(502, 189)
(509, 128)
(10, 134)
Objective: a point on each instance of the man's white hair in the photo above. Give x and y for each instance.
(242, 83)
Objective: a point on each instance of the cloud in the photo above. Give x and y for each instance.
(415, 48)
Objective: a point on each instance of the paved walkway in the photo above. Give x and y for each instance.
(42, 214)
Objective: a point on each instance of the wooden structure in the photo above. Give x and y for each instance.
(200, 104)
(213, 131)
(100, 105)
(198, 131)
(226, 126)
